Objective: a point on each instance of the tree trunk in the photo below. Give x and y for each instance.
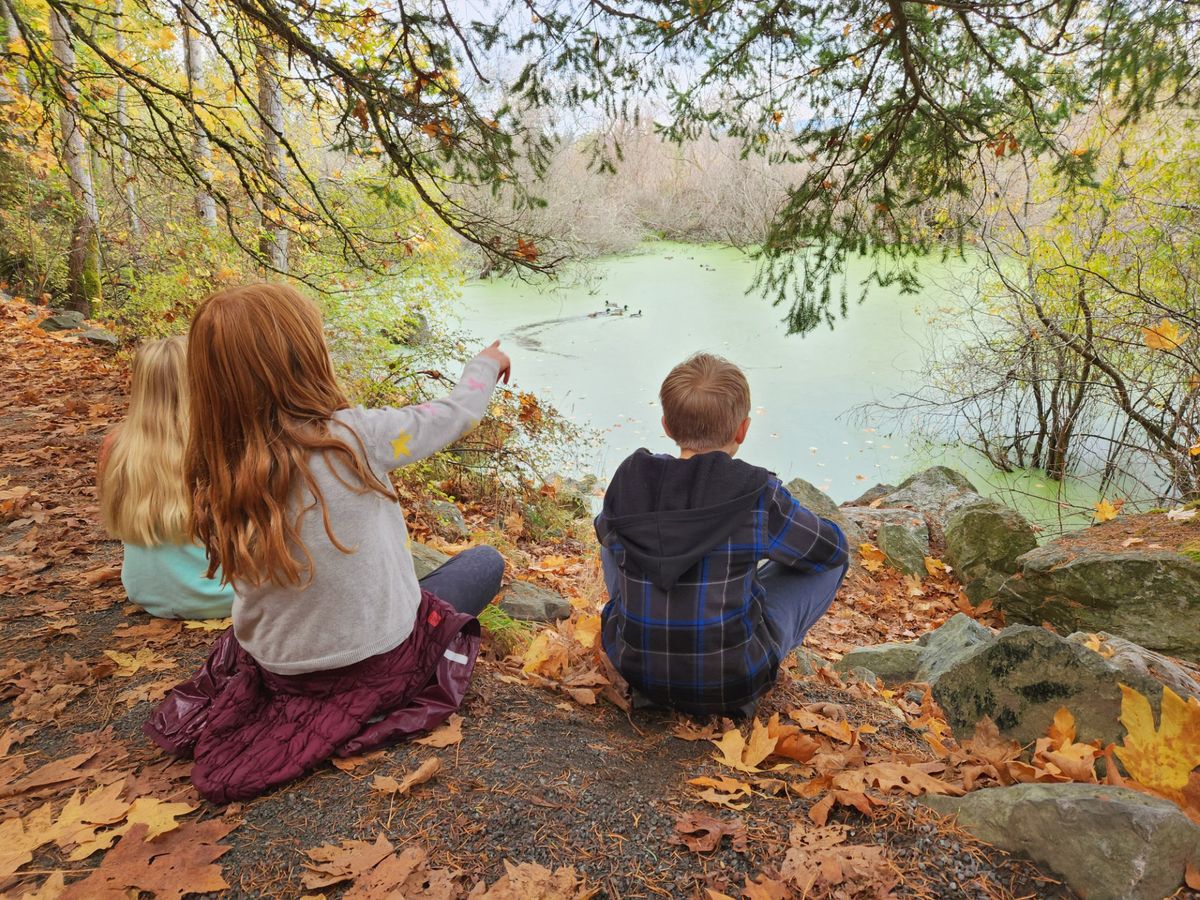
(193, 55)
(13, 35)
(83, 285)
(127, 174)
(274, 241)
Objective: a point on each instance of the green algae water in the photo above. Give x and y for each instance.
(602, 369)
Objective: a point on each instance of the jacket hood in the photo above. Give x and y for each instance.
(668, 513)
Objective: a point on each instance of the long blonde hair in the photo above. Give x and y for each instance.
(143, 497)
(263, 393)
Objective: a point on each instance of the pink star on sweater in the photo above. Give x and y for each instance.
(475, 384)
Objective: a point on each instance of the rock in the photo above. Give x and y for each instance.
(1151, 597)
(807, 662)
(904, 546)
(1106, 842)
(983, 541)
(62, 320)
(1129, 657)
(1021, 678)
(895, 663)
(822, 504)
(925, 659)
(933, 492)
(426, 559)
(866, 676)
(100, 337)
(868, 520)
(530, 603)
(448, 520)
(944, 647)
(871, 495)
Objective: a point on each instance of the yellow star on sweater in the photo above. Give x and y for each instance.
(400, 444)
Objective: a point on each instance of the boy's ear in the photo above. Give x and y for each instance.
(666, 430)
(740, 436)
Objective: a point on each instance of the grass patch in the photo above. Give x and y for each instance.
(508, 634)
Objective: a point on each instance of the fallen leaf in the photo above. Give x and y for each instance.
(736, 753)
(448, 734)
(332, 864)
(1106, 510)
(871, 557)
(701, 833)
(530, 881)
(388, 785)
(178, 863)
(130, 664)
(1160, 758)
(208, 624)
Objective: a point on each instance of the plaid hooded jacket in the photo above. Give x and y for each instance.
(685, 624)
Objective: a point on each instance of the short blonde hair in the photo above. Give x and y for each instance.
(704, 400)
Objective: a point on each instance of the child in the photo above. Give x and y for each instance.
(335, 646)
(143, 499)
(692, 621)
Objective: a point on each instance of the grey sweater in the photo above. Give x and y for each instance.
(363, 603)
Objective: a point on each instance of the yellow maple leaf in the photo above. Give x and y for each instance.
(871, 557)
(744, 756)
(1106, 510)
(1164, 336)
(1162, 758)
(934, 566)
(1194, 451)
(208, 624)
(587, 629)
(546, 656)
(130, 664)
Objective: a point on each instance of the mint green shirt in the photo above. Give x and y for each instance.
(168, 581)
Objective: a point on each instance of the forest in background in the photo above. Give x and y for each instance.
(379, 153)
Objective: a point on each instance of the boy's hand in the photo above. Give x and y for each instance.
(499, 356)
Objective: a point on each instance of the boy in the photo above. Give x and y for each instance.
(692, 621)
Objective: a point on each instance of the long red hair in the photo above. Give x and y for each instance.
(262, 393)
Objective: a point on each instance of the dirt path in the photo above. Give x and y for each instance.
(535, 779)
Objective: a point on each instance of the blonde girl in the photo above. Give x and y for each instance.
(144, 501)
(336, 646)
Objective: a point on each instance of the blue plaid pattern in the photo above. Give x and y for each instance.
(705, 646)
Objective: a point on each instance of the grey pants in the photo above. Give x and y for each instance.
(468, 581)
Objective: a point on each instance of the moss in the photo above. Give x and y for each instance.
(1157, 511)
(1191, 551)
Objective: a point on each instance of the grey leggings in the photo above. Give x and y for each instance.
(468, 581)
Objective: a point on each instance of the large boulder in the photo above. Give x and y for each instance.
(904, 546)
(1136, 660)
(871, 494)
(1105, 842)
(933, 492)
(925, 659)
(894, 663)
(1021, 678)
(869, 520)
(815, 499)
(426, 559)
(983, 541)
(1148, 596)
(62, 320)
(530, 603)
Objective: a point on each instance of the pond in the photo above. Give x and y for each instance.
(604, 371)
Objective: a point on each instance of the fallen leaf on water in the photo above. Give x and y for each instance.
(389, 785)
(447, 734)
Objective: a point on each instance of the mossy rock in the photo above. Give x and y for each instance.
(984, 539)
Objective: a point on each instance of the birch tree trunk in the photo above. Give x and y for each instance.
(274, 242)
(83, 270)
(13, 35)
(127, 174)
(193, 54)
